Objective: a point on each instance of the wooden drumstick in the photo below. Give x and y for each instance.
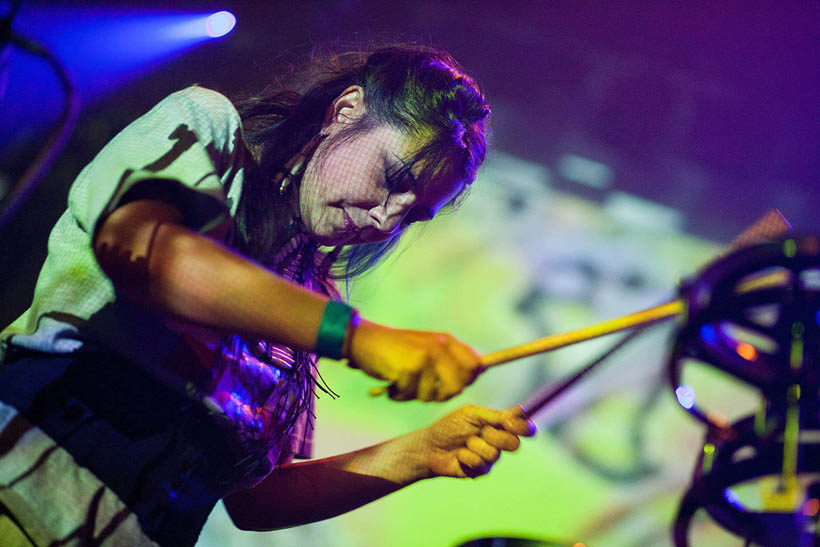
(556, 341)
(770, 225)
(633, 320)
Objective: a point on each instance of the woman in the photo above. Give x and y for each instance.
(167, 361)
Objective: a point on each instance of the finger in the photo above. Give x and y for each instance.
(396, 394)
(405, 387)
(450, 382)
(457, 366)
(472, 471)
(467, 357)
(487, 452)
(468, 458)
(378, 391)
(427, 385)
(519, 423)
(503, 440)
(485, 416)
(465, 366)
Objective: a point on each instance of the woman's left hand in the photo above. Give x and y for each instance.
(467, 442)
(429, 366)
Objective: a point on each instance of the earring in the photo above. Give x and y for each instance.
(295, 164)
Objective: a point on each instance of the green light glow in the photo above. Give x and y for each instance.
(761, 424)
(789, 248)
(796, 353)
(790, 442)
(708, 457)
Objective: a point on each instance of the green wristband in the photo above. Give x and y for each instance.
(331, 337)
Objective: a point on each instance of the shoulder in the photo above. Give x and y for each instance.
(201, 107)
(204, 98)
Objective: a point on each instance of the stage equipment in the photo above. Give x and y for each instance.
(755, 315)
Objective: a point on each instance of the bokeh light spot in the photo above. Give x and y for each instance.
(708, 333)
(747, 351)
(789, 248)
(686, 396)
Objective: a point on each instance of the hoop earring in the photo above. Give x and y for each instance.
(296, 163)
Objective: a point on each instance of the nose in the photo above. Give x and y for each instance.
(387, 217)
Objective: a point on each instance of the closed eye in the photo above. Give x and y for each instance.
(399, 181)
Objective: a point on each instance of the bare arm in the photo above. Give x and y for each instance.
(464, 443)
(156, 261)
(153, 259)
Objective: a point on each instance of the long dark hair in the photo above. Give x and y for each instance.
(417, 89)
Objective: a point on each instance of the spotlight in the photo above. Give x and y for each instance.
(220, 23)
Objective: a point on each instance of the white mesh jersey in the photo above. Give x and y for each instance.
(189, 147)
(192, 142)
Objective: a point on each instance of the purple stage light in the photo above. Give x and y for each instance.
(220, 23)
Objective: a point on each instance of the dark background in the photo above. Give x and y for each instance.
(708, 109)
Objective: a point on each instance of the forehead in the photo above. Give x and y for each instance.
(390, 140)
(403, 148)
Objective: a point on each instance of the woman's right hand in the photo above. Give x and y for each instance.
(428, 366)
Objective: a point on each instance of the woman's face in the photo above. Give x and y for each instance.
(344, 197)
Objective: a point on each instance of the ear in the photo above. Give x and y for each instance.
(344, 110)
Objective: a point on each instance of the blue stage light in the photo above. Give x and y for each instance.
(220, 23)
(101, 48)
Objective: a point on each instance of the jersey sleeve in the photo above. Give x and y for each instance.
(187, 150)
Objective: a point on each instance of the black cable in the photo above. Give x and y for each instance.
(5, 40)
(57, 140)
